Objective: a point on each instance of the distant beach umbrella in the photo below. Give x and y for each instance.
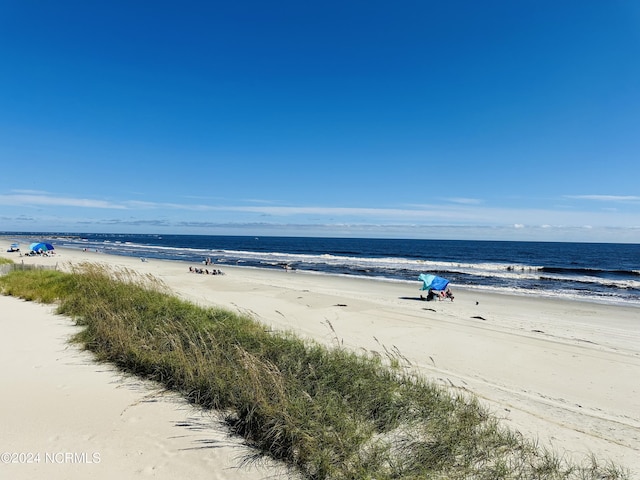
(433, 282)
(37, 246)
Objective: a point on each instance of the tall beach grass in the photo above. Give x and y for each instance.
(328, 413)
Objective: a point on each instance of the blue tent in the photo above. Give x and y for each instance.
(36, 247)
(433, 282)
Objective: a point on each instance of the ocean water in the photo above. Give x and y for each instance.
(600, 272)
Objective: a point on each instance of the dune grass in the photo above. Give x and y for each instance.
(328, 413)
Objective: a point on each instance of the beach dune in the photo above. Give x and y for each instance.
(66, 417)
(562, 372)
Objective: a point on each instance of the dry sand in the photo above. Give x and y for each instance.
(565, 373)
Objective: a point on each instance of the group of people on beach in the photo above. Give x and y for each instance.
(441, 295)
(205, 271)
(41, 253)
(207, 261)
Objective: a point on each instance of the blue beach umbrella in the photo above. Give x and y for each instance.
(37, 246)
(433, 282)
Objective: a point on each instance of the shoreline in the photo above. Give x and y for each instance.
(562, 371)
(484, 277)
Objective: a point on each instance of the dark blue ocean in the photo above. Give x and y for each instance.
(600, 272)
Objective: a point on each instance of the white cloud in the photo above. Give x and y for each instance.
(465, 201)
(605, 198)
(30, 192)
(465, 214)
(49, 200)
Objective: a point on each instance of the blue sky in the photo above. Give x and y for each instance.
(419, 119)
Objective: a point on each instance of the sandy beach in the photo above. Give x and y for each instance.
(565, 373)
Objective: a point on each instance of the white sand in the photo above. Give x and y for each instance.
(565, 373)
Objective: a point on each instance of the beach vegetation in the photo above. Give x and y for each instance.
(326, 412)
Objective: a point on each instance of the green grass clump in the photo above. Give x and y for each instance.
(327, 413)
(45, 286)
(4, 261)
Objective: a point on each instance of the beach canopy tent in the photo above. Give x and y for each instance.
(38, 246)
(433, 282)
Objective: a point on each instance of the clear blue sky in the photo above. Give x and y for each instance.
(422, 119)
